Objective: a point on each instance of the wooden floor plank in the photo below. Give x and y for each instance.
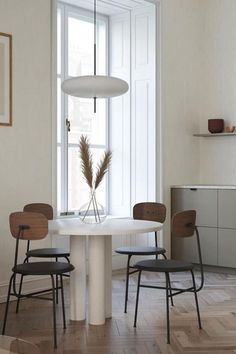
(218, 310)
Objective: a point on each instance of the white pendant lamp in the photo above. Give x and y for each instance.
(92, 86)
(95, 86)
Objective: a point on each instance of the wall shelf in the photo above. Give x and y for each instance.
(206, 135)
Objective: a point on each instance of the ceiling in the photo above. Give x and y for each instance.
(108, 7)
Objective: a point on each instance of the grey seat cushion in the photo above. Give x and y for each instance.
(43, 268)
(163, 265)
(48, 252)
(138, 251)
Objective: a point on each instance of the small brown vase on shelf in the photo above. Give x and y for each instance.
(216, 125)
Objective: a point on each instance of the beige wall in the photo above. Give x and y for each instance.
(199, 82)
(25, 153)
(198, 55)
(182, 74)
(218, 155)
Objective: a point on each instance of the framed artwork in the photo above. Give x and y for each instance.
(5, 79)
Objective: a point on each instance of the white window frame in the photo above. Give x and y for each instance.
(77, 13)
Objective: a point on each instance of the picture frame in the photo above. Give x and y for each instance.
(5, 79)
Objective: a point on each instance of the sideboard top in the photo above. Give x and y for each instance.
(205, 186)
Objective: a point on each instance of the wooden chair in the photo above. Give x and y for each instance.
(46, 210)
(143, 211)
(34, 226)
(56, 253)
(183, 225)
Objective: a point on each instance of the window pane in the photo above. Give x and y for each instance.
(101, 48)
(84, 121)
(80, 47)
(78, 190)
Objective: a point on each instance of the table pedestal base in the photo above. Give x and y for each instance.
(78, 278)
(100, 279)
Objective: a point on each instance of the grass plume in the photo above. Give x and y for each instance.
(87, 163)
(86, 160)
(102, 168)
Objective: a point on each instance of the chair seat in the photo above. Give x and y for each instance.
(163, 265)
(42, 268)
(48, 252)
(139, 251)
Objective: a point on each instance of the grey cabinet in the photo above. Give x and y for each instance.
(227, 209)
(186, 248)
(202, 200)
(216, 221)
(227, 248)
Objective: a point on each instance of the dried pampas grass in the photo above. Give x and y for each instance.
(86, 160)
(102, 168)
(87, 164)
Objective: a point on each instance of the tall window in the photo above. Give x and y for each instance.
(75, 116)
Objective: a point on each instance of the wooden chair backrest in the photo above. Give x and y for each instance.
(150, 211)
(42, 208)
(183, 223)
(34, 225)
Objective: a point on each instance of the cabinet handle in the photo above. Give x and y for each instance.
(193, 189)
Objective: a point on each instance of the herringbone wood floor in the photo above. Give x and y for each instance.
(117, 336)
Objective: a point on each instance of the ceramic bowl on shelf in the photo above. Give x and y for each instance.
(230, 129)
(216, 125)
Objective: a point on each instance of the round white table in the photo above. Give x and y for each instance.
(99, 255)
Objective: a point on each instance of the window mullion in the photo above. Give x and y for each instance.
(64, 112)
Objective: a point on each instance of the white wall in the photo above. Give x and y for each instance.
(218, 155)
(181, 76)
(25, 153)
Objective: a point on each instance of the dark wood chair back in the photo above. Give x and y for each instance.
(28, 225)
(149, 211)
(183, 223)
(42, 208)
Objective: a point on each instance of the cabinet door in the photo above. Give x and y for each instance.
(226, 248)
(204, 201)
(227, 209)
(186, 248)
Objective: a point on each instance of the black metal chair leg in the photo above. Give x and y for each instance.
(19, 293)
(171, 297)
(137, 298)
(63, 302)
(170, 291)
(54, 312)
(196, 301)
(167, 308)
(127, 283)
(57, 284)
(156, 245)
(7, 304)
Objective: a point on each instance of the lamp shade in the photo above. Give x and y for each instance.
(98, 86)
